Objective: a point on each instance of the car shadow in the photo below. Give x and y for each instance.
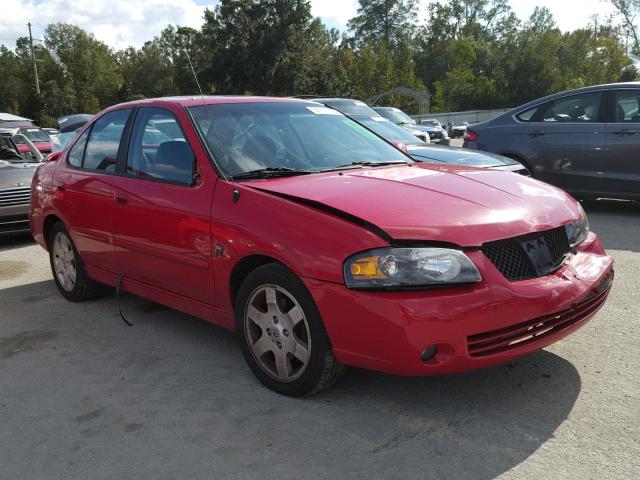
(18, 240)
(616, 222)
(122, 391)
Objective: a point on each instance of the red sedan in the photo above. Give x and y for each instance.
(318, 242)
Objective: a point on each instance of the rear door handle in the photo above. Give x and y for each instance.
(536, 133)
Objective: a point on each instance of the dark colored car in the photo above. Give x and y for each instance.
(585, 141)
(420, 151)
(320, 250)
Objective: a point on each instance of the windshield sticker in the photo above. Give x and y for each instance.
(359, 128)
(323, 111)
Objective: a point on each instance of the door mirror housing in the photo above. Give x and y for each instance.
(53, 157)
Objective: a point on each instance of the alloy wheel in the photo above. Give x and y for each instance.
(64, 262)
(277, 332)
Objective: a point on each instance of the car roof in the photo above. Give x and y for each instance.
(339, 100)
(8, 117)
(196, 100)
(592, 88)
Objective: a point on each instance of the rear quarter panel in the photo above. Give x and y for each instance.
(42, 191)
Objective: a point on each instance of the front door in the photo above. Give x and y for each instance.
(161, 219)
(622, 168)
(565, 142)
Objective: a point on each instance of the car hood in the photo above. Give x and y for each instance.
(16, 175)
(459, 156)
(463, 206)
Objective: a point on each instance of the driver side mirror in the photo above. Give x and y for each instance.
(53, 157)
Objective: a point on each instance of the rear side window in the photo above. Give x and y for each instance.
(528, 115)
(158, 148)
(627, 106)
(104, 141)
(575, 109)
(77, 151)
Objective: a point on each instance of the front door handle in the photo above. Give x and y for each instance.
(536, 133)
(60, 188)
(121, 197)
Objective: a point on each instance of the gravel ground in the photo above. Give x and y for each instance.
(82, 396)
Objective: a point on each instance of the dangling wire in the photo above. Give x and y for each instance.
(118, 285)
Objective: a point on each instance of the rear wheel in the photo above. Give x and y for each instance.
(67, 267)
(281, 333)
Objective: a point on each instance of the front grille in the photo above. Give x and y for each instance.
(511, 259)
(15, 223)
(435, 135)
(508, 338)
(15, 196)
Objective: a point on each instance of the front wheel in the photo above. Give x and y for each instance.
(281, 333)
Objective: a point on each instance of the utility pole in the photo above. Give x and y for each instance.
(33, 57)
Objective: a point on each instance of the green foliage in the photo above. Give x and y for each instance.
(472, 54)
(390, 21)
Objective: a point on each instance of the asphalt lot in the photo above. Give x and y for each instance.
(83, 396)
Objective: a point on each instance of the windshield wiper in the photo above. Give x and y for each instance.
(365, 163)
(270, 172)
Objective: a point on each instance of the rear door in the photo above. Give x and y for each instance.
(161, 219)
(84, 191)
(622, 167)
(564, 141)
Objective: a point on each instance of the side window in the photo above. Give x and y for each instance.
(528, 115)
(627, 106)
(104, 141)
(575, 109)
(158, 148)
(77, 151)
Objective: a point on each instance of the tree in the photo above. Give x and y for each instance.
(147, 72)
(390, 21)
(267, 47)
(628, 10)
(88, 64)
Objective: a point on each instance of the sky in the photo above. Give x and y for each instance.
(121, 23)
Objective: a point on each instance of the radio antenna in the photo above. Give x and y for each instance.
(227, 174)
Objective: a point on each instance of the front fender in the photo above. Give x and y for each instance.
(310, 242)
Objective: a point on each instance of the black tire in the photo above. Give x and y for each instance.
(322, 369)
(84, 288)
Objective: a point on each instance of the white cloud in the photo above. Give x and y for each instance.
(336, 13)
(119, 23)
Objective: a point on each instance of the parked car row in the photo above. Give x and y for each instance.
(437, 134)
(318, 240)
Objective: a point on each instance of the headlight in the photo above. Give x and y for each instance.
(578, 230)
(409, 267)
